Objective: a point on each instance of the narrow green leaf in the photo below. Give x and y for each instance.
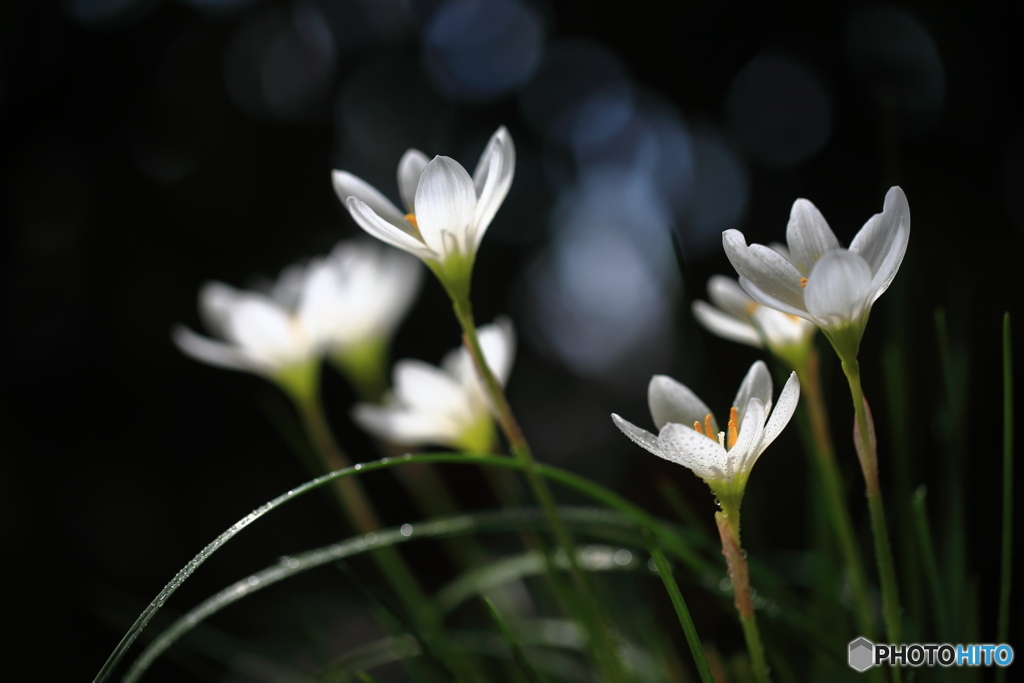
(665, 572)
(517, 652)
(1003, 627)
(939, 597)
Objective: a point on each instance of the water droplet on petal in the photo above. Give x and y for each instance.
(406, 529)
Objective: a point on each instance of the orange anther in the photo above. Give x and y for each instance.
(734, 418)
(803, 282)
(708, 429)
(411, 217)
(697, 428)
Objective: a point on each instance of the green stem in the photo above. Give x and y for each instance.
(359, 510)
(835, 496)
(600, 643)
(867, 454)
(1003, 627)
(729, 529)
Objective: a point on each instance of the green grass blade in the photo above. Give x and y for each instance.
(939, 597)
(517, 652)
(692, 639)
(1003, 626)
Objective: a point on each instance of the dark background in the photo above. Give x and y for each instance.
(147, 146)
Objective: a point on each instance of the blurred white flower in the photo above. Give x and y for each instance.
(737, 317)
(819, 280)
(446, 211)
(346, 304)
(259, 333)
(446, 406)
(688, 433)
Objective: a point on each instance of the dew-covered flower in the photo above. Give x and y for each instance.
(446, 211)
(819, 280)
(688, 432)
(447, 405)
(737, 317)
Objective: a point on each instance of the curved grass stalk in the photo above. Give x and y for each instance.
(590, 558)
(670, 541)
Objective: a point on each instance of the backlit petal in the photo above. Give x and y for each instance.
(839, 288)
(725, 326)
(640, 437)
(808, 235)
(765, 274)
(387, 232)
(427, 388)
(673, 402)
(756, 384)
(214, 352)
(726, 293)
(409, 170)
(492, 179)
(445, 202)
(783, 411)
(882, 242)
(745, 451)
(704, 456)
(347, 185)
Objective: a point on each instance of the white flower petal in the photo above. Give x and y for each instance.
(726, 293)
(498, 341)
(756, 384)
(213, 352)
(839, 288)
(409, 170)
(808, 235)
(428, 389)
(782, 249)
(492, 179)
(744, 452)
(673, 402)
(387, 232)
(320, 306)
(783, 329)
(445, 202)
(404, 426)
(641, 437)
(704, 456)
(267, 332)
(882, 242)
(765, 274)
(216, 301)
(287, 289)
(782, 413)
(347, 185)
(725, 325)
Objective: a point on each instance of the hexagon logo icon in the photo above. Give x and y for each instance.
(862, 654)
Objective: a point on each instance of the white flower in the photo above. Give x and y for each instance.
(363, 290)
(737, 317)
(446, 212)
(819, 280)
(446, 406)
(688, 433)
(259, 333)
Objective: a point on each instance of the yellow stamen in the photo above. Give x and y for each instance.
(803, 282)
(411, 217)
(734, 418)
(697, 428)
(751, 307)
